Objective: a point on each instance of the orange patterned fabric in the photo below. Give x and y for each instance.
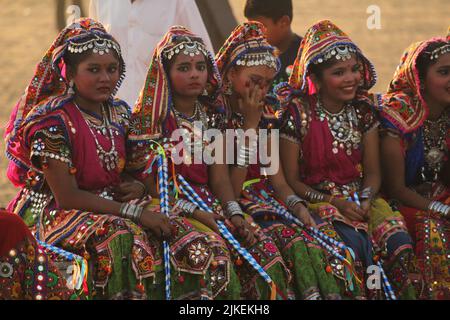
(403, 103)
(319, 39)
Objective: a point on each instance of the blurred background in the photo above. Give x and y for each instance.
(27, 29)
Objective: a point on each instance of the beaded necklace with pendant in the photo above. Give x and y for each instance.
(342, 126)
(110, 159)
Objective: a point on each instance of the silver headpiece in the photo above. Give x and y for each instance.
(97, 45)
(188, 47)
(342, 53)
(258, 59)
(436, 53)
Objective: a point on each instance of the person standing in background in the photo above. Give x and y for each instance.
(218, 18)
(138, 25)
(276, 16)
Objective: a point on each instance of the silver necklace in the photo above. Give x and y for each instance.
(110, 159)
(434, 134)
(178, 114)
(100, 129)
(198, 115)
(342, 127)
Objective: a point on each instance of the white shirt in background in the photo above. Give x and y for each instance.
(138, 27)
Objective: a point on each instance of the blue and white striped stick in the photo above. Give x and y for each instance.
(314, 231)
(387, 288)
(284, 213)
(164, 204)
(70, 257)
(388, 291)
(195, 198)
(319, 236)
(316, 234)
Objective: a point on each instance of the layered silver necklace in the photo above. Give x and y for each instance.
(342, 126)
(192, 118)
(435, 147)
(110, 159)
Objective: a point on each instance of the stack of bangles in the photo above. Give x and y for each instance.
(187, 207)
(232, 208)
(131, 211)
(439, 207)
(292, 200)
(245, 154)
(314, 196)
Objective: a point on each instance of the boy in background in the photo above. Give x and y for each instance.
(276, 16)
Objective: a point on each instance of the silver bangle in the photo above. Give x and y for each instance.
(243, 158)
(447, 211)
(292, 200)
(236, 213)
(432, 205)
(131, 211)
(138, 214)
(187, 207)
(123, 209)
(444, 209)
(314, 196)
(244, 154)
(439, 207)
(232, 208)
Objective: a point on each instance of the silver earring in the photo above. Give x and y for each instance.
(228, 88)
(71, 91)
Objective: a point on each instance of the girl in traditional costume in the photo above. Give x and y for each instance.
(415, 147)
(329, 151)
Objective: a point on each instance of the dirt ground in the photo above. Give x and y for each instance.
(28, 27)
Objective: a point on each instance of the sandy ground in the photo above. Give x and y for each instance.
(28, 27)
